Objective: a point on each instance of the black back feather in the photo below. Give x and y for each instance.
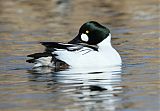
(51, 46)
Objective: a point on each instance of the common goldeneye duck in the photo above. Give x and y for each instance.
(90, 48)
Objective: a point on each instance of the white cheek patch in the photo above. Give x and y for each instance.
(84, 37)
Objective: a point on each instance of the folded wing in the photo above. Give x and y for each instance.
(50, 56)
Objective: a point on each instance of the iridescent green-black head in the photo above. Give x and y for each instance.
(91, 33)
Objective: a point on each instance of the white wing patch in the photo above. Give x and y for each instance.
(73, 58)
(84, 51)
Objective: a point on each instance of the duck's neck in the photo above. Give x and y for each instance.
(106, 42)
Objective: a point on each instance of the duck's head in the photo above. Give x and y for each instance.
(91, 33)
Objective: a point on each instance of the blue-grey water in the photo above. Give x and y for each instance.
(135, 35)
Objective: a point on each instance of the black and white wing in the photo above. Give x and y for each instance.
(49, 57)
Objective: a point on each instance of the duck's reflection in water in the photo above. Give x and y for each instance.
(90, 88)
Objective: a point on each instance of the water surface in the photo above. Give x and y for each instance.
(135, 35)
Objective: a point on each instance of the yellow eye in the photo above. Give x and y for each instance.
(87, 31)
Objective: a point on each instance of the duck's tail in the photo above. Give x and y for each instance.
(41, 59)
